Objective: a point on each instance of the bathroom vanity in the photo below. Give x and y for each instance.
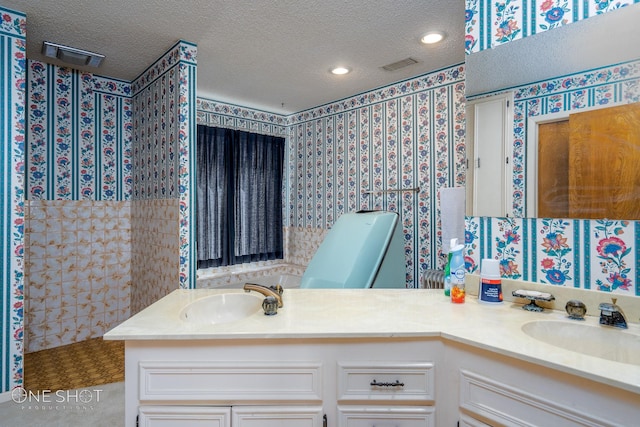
(356, 358)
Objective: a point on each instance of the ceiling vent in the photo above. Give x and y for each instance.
(71, 55)
(399, 64)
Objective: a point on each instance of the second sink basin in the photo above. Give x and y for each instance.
(618, 345)
(222, 308)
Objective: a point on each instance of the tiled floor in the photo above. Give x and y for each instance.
(78, 365)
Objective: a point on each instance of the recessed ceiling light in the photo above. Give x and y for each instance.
(340, 70)
(432, 37)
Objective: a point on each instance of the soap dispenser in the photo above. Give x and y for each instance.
(457, 274)
(447, 268)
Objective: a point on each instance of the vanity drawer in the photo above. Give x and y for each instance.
(184, 416)
(230, 381)
(277, 416)
(403, 381)
(372, 416)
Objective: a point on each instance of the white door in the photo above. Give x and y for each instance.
(491, 155)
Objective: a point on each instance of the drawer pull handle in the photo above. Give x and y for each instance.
(397, 383)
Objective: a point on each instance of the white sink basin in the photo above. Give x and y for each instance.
(619, 345)
(222, 308)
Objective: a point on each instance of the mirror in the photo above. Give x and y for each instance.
(599, 41)
(584, 164)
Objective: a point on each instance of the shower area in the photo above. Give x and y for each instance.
(77, 207)
(78, 270)
(98, 247)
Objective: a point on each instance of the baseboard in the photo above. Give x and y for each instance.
(5, 397)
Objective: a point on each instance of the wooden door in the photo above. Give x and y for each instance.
(604, 158)
(553, 166)
(589, 165)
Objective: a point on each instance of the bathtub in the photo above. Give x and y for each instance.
(236, 281)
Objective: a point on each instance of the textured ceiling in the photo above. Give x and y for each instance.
(272, 55)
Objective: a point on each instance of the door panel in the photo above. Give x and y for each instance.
(553, 164)
(588, 166)
(604, 153)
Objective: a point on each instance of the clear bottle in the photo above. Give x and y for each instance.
(447, 268)
(457, 274)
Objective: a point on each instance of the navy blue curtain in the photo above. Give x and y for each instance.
(239, 199)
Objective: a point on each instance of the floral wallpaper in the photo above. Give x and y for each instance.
(12, 101)
(164, 99)
(601, 255)
(79, 135)
(187, 164)
(490, 23)
(220, 114)
(406, 135)
(409, 135)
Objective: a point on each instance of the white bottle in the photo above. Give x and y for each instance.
(490, 282)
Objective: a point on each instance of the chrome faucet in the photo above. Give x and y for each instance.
(271, 291)
(612, 315)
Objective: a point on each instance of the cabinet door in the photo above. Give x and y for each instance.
(383, 416)
(467, 421)
(277, 416)
(184, 416)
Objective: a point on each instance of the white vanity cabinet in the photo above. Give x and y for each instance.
(344, 359)
(497, 390)
(353, 382)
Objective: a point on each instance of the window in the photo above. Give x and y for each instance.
(239, 199)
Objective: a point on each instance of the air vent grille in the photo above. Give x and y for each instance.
(399, 64)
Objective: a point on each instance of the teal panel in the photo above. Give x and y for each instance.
(353, 251)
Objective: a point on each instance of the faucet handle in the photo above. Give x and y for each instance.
(270, 306)
(612, 315)
(576, 309)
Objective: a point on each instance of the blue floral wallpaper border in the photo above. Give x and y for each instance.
(13, 58)
(490, 23)
(600, 255)
(220, 114)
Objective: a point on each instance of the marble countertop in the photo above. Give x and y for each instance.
(345, 313)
